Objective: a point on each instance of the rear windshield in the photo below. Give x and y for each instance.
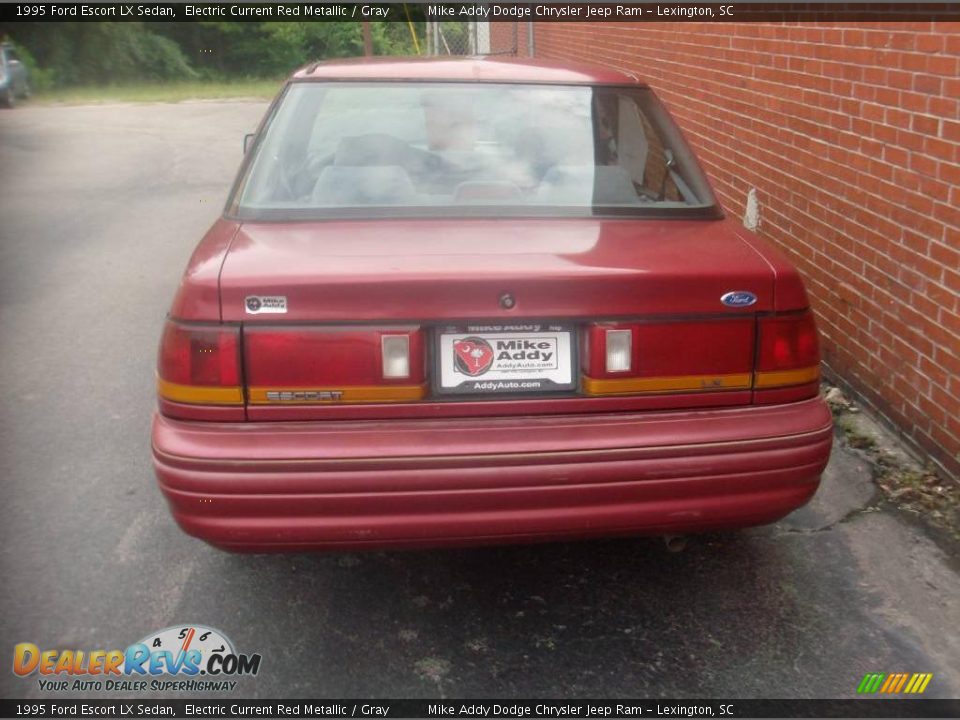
(473, 149)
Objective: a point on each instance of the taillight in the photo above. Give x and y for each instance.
(788, 358)
(333, 365)
(662, 357)
(789, 351)
(199, 365)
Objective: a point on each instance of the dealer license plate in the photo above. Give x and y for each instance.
(509, 358)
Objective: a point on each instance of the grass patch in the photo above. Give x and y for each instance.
(852, 434)
(911, 487)
(160, 92)
(923, 492)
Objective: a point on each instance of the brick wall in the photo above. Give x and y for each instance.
(508, 38)
(851, 137)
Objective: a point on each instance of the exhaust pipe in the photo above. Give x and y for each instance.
(675, 543)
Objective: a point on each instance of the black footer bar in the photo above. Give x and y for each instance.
(561, 709)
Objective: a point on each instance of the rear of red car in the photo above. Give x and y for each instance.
(413, 338)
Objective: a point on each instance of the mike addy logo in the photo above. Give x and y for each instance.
(180, 658)
(472, 356)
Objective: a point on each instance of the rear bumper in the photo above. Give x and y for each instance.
(375, 484)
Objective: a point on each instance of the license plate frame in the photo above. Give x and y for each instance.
(505, 376)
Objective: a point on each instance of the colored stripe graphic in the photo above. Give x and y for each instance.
(871, 682)
(899, 683)
(891, 684)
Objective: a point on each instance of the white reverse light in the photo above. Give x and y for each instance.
(396, 355)
(619, 350)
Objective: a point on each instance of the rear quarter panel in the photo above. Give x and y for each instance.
(198, 295)
(789, 291)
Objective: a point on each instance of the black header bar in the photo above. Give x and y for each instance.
(322, 11)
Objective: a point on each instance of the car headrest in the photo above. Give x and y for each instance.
(368, 185)
(372, 149)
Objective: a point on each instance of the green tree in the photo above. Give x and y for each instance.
(98, 53)
(275, 48)
(102, 53)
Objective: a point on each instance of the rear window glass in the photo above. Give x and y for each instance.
(395, 149)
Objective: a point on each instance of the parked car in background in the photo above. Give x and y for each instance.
(459, 301)
(14, 76)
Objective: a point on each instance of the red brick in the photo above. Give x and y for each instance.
(941, 297)
(949, 173)
(930, 43)
(897, 118)
(895, 155)
(947, 256)
(885, 134)
(923, 164)
(933, 411)
(950, 321)
(947, 360)
(942, 65)
(925, 124)
(943, 107)
(910, 140)
(887, 96)
(915, 242)
(901, 79)
(929, 84)
(951, 280)
(914, 62)
(903, 41)
(914, 102)
(940, 149)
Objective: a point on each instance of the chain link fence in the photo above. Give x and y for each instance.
(471, 38)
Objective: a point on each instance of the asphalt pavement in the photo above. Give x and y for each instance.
(100, 207)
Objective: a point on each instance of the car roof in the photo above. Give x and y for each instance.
(483, 69)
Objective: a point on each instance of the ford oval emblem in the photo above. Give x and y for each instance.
(739, 298)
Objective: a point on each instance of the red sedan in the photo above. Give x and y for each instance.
(471, 301)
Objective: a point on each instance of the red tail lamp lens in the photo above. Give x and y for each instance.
(198, 355)
(788, 342)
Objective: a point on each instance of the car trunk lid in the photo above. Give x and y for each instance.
(430, 270)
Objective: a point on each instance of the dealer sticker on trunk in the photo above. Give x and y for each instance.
(256, 304)
(505, 358)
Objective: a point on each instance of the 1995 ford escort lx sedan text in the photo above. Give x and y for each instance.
(468, 301)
